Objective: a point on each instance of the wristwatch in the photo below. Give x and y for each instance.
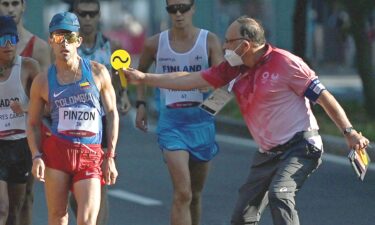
(348, 130)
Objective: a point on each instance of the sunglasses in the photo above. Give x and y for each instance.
(91, 14)
(182, 8)
(69, 37)
(8, 38)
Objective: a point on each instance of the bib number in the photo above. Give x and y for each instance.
(11, 123)
(78, 122)
(182, 99)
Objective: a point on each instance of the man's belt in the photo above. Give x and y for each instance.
(299, 136)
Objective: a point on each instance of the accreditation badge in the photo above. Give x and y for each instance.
(218, 99)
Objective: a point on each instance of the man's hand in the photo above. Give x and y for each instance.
(16, 107)
(38, 169)
(141, 118)
(134, 76)
(356, 141)
(109, 171)
(124, 104)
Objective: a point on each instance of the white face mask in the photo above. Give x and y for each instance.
(233, 58)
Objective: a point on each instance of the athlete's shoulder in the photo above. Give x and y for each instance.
(30, 64)
(97, 68)
(212, 37)
(41, 80)
(153, 41)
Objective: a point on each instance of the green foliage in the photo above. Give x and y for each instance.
(354, 109)
(356, 114)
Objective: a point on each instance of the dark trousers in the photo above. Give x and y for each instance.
(274, 180)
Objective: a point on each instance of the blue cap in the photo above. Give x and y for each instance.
(64, 21)
(7, 26)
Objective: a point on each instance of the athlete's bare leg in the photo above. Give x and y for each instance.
(87, 195)
(178, 166)
(103, 211)
(4, 202)
(57, 185)
(198, 175)
(27, 207)
(16, 193)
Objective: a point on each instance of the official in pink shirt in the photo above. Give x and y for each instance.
(274, 89)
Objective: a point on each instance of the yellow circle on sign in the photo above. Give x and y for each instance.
(120, 59)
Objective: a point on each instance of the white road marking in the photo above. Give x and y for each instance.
(125, 195)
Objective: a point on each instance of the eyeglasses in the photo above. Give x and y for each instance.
(60, 37)
(8, 38)
(182, 8)
(235, 39)
(91, 14)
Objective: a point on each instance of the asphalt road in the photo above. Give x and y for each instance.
(142, 195)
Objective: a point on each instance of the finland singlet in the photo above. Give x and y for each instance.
(75, 108)
(12, 125)
(181, 107)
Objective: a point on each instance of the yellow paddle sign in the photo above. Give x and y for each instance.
(120, 59)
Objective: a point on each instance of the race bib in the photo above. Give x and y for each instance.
(78, 122)
(11, 123)
(182, 99)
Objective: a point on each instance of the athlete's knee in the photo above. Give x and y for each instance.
(58, 214)
(4, 210)
(86, 221)
(183, 196)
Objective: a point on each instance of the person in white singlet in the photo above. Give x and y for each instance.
(29, 45)
(16, 75)
(186, 134)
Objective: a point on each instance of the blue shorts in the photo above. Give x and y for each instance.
(198, 140)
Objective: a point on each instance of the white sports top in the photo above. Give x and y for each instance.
(181, 106)
(12, 125)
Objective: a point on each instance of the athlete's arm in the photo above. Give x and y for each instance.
(215, 52)
(38, 98)
(108, 97)
(145, 61)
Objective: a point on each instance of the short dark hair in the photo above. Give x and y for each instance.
(252, 30)
(191, 2)
(77, 2)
